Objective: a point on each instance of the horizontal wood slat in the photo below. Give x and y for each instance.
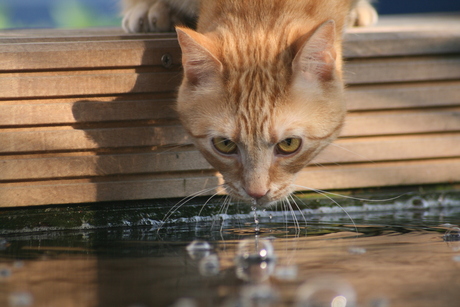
(82, 110)
(65, 138)
(88, 115)
(344, 177)
(370, 150)
(402, 70)
(108, 82)
(88, 54)
(403, 95)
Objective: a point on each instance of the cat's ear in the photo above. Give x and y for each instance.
(200, 65)
(316, 54)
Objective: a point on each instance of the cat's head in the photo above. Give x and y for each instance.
(259, 114)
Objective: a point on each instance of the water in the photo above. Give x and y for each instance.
(390, 258)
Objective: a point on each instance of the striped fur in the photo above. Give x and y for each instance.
(256, 73)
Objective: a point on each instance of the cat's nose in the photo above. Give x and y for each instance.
(256, 194)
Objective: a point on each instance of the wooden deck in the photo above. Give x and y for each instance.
(87, 116)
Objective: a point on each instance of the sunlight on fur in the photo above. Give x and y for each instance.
(262, 92)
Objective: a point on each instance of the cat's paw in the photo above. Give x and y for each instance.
(148, 17)
(364, 14)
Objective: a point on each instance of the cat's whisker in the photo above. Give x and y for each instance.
(300, 211)
(226, 205)
(334, 201)
(205, 204)
(296, 220)
(353, 152)
(168, 149)
(220, 213)
(350, 197)
(183, 202)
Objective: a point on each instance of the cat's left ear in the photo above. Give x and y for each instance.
(316, 54)
(201, 67)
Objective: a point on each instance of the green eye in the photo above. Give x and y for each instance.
(224, 145)
(288, 146)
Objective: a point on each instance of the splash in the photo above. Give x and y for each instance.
(256, 216)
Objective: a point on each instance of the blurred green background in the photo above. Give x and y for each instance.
(59, 13)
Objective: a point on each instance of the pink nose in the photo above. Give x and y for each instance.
(256, 194)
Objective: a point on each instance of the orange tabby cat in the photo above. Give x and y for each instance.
(262, 91)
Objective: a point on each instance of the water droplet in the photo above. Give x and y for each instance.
(326, 291)
(418, 202)
(198, 249)
(256, 219)
(199, 245)
(255, 260)
(453, 234)
(270, 217)
(209, 265)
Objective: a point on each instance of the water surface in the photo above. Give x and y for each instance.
(390, 258)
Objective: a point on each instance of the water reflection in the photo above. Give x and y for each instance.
(389, 262)
(255, 260)
(325, 291)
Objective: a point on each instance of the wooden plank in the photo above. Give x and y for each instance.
(386, 43)
(81, 110)
(68, 191)
(147, 187)
(84, 54)
(369, 150)
(402, 122)
(65, 138)
(143, 50)
(381, 70)
(381, 174)
(403, 95)
(105, 109)
(22, 36)
(45, 48)
(91, 165)
(109, 82)
(387, 148)
(106, 82)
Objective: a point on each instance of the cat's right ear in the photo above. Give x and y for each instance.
(200, 65)
(316, 55)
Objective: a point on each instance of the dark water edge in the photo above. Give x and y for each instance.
(152, 214)
(399, 252)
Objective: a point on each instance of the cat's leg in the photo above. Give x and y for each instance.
(363, 14)
(148, 16)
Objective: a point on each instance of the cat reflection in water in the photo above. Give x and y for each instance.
(262, 92)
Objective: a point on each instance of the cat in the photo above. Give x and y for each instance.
(262, 92)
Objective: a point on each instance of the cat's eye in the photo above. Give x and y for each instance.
(224, 145)
(288, 146)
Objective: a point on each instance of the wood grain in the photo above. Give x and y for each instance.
(365, 150)
(88, 115)
(145, 187)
